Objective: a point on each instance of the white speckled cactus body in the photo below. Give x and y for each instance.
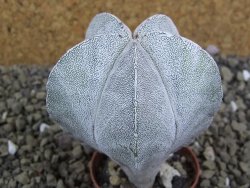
(135, 97)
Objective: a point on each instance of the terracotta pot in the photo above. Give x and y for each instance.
(186, 151)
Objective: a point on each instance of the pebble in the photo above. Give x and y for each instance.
(16, 108)
(224, 156)
(12, 183)
(233, 62)
(227, 75)
(47, 154)
(77, 167)
(30, 140)
(27, 186)
(240, 76)
(245, 167)
(3, 150)
(238, 127)
(2, 106)
(4, 116)
(20, 140)
(60, 184)
(227, 182)
(167, 174)
(205, 183)
(36, 116)
(209, 164)
(242, 180)
(20, 124)
(44, 142)
(221, 165)
(55, 128)
(234, 106)
(43, 127)
(64, 141)
(10, 120)
(245, 186)
(63, 169)
(209, 153)
(240, 103)
(51, 180)
(86, 178)
(112, 168)
(246, 75)
(179, 167)
(212, 49)
(114, 180)
(12, 148)
(29, 108)
(25, 161)
(223, 174)
(9, 127)
(41, 95)
(236, 172)
(207, 174)
(1, 181)
(242, 116)
(6, 173)
(54, 159)
(23, 178)
(37, 179)
(232, 149)
(221, 182)
(77, 151)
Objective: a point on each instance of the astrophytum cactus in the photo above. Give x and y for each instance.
(135, 97)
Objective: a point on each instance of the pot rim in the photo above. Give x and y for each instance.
(186, 151)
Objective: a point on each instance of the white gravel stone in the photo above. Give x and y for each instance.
(12, 148)
(43, 127)
(167, 173)
(234, 106)
(227, 182)
(246, 75)
(209, 153)
(197, 145)
(4, 116)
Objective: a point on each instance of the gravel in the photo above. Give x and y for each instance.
(48, 157)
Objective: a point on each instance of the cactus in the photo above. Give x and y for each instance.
(135, 97)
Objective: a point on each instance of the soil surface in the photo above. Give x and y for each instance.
(110, 175)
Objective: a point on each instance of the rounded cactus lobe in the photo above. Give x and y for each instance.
(156, 122)
(75, 83)
(192, 79)
(134, 123)
(107, 24)
(114, 115)
(158, 23)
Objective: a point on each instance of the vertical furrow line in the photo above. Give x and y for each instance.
(135, 103)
